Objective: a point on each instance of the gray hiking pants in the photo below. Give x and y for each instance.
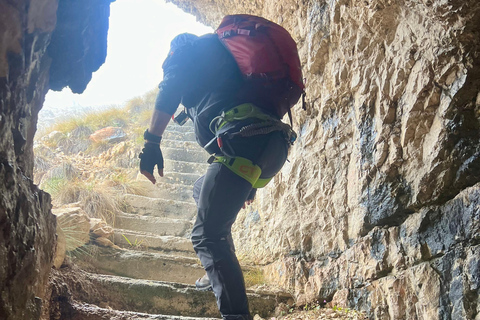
(220, 198)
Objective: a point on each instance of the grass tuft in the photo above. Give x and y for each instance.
(122, 182)
(96, 200)
(99, 202)
(54, 185)
(254, 277)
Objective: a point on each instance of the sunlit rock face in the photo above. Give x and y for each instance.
(27, 227)
(379, 201)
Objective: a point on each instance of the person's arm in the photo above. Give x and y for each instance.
(174, 84)
(159, 122)
(151, 154)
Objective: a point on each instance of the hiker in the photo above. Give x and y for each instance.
(237, 120)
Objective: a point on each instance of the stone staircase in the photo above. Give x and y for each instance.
(152, 275)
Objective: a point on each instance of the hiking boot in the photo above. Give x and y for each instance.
(203, 284)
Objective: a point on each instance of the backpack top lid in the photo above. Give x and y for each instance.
(261, 48)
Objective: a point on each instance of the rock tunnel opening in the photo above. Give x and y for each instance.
(411, 67)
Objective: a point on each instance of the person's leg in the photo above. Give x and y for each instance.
(222, 196)
(197, 187)
(203, 283)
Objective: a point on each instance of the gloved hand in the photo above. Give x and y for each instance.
(250, 198)
(150, 157)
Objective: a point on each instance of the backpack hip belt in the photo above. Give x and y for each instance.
(265, 125)
(244, 168)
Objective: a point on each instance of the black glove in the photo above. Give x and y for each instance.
(150, 157)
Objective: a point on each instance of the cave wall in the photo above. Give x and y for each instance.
(378, 207)
(42, 46)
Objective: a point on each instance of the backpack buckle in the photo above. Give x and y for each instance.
(228, 33)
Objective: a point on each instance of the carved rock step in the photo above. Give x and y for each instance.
(164, 244)
(180, 177)
(154, 225)
(157, 207)
(156, 297)
(85, 311)
(142, 265)
(179, 136)
(191, 145)
(187, 127)
(166, 190)
(181, 154)
(186, 167)
(172, 177)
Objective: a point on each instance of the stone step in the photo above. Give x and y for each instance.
(187, 127)
(187, 155)
(154, 225)
(166, 190)
(191, 145)
(186, 167)
(177, 178)
(172, 245)
(141, 265)
(179, 136)
(157, 207)
(86, 311)
(180, 177)
(157, 297)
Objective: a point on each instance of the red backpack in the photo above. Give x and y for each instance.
(265, 51)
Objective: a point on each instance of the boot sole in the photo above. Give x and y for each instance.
(201, 288)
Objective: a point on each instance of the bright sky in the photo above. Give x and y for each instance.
(138, 41)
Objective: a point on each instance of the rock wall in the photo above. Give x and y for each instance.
(27, 227)
(378, 208)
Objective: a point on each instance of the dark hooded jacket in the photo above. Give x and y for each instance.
(202, 75)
